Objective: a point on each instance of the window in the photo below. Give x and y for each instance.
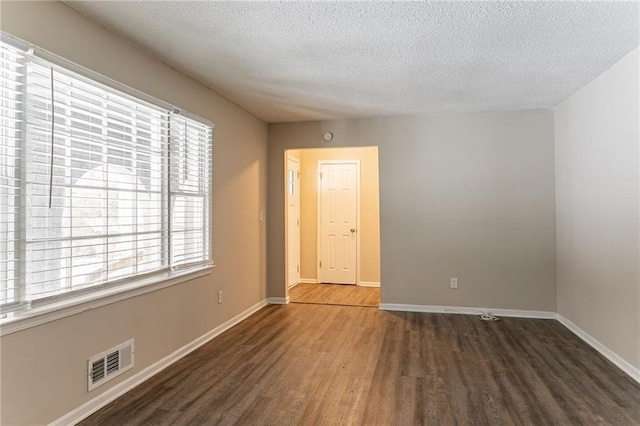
(97, 187)
(290, 182)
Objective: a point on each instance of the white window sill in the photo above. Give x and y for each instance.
(21, 320)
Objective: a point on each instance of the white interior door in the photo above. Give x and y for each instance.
(337, 222)
(293, 221)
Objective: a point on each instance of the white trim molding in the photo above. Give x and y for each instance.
(90, 407)
(308, 281)
(369, 284)
(604, 351)
(467, 310)
(278, 300)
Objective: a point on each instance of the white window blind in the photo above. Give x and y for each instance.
(11, 151)
(189, 190)
(98, 187)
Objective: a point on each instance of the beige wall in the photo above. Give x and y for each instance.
(597, 189)
(369, 226)
(468, 196)
(44, 367)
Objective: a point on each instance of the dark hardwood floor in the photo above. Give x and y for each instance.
(335, 294)
(308, 364)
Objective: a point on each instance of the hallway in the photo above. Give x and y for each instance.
(335, 294)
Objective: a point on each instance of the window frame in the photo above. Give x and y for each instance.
(24, 314)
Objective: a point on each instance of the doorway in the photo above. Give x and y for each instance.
(338, 229)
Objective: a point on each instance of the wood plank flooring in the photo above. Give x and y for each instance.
(335, 294)
(307, 364)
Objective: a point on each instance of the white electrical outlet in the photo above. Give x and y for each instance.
(220, 296)
(454, 282)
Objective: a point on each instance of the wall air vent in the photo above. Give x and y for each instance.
(109, 364)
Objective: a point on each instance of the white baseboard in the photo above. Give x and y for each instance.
(605, 351)
(315, 281)
(278, 300)
(467, 310)
(293, 285)
(90, 407)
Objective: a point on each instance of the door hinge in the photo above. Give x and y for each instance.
(298, 222)
(298, 175)
(320, 175)
(321, 264)
(298, 268)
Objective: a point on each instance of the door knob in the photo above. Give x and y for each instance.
(353, 230)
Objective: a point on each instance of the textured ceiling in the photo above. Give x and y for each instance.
(296, 61)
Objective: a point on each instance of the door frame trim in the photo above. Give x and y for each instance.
(286, 221)
(319, 215)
